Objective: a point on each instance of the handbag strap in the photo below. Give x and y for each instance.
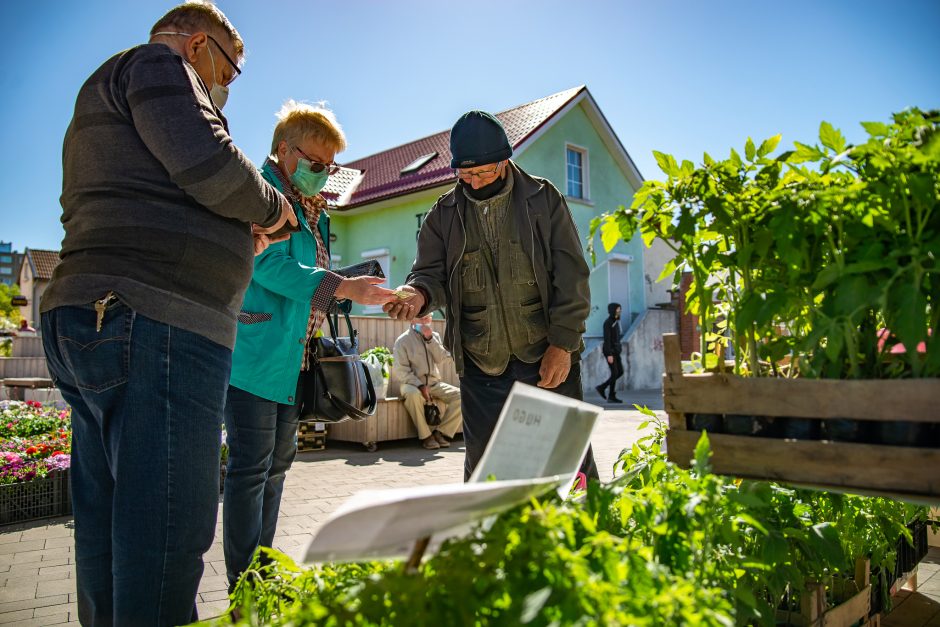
(333, 322)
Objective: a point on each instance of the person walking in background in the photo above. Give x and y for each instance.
(138, 322)
(25, 330)
(418, 355)
(290, 293)
(613, 350)
(501, 254)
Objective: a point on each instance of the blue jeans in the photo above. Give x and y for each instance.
(482, 397)
(262, 443)
(146, 403)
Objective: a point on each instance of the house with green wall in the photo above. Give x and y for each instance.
(378, 202)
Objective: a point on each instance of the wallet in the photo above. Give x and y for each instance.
(370, 267)
(285, 230)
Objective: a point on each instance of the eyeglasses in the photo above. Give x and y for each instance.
(217, 44)
(467, 176)
(316, 166)
(227, 58)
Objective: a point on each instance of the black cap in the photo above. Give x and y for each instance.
(478, 139)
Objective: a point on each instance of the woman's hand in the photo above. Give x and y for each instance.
(365, 291)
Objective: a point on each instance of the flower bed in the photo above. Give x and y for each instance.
(661, 545)
(35, 456)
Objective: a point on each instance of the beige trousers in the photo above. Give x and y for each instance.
(444, 392)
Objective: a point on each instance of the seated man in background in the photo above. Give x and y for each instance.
(418, 354)
(25, 330)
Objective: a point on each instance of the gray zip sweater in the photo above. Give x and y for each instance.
(156, 198)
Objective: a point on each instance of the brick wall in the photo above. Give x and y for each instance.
(689, 329)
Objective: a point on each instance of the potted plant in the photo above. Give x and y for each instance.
(817, 269)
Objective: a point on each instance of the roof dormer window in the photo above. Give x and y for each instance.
(417, 164)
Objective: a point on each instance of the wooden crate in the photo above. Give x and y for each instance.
(856, 610)
(311, 436)
(899, 471)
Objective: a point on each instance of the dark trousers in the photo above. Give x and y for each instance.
(262, 442)
(482, 397)
(616, 371)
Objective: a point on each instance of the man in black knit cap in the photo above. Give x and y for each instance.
(502, 256)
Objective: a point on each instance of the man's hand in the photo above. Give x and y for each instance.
(405, 308)
(287, 217)
(426, 393)
(556, 363)
(365, 291)
(261, 243)
(261, 234)
(610, 359)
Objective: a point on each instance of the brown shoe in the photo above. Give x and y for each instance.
(442, 441)
(430, 443)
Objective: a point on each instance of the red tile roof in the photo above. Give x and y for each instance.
(43, 262)
(380, 177)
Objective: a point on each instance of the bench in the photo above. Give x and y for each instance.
(15, 388)
(390, 422)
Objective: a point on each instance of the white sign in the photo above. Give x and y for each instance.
(386, 523)
(539, 434)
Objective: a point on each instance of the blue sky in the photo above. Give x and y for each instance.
(677, 76)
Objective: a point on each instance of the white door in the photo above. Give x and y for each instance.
(618, 288)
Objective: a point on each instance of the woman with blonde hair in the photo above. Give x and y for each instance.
(291, 291)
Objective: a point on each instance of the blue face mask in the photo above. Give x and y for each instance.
(418, 328)
(309, 183)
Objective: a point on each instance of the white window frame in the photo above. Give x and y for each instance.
(585, 172)
(378, 253)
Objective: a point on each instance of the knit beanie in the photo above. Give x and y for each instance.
(478, 138)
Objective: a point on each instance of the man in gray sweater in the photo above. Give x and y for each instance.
(162, 214)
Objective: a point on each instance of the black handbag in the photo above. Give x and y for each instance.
(432, 414)
(337, 386)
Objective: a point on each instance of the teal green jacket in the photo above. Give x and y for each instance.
(272, 325)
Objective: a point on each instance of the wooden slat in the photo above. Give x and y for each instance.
(862, 571)
(672, 353)
(882, 399)
(850, 612)
(906, 472)
(813, 603)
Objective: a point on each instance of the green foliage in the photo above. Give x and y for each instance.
(804, 258)
(658, 546)
(7, 310)
(382, 356)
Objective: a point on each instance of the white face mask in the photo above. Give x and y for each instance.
(219, 93)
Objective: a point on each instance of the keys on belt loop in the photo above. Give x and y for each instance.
(101, 306)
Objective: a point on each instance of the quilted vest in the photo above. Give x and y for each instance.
(501, 309)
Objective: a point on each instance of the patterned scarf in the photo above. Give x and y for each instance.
(312, 207)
